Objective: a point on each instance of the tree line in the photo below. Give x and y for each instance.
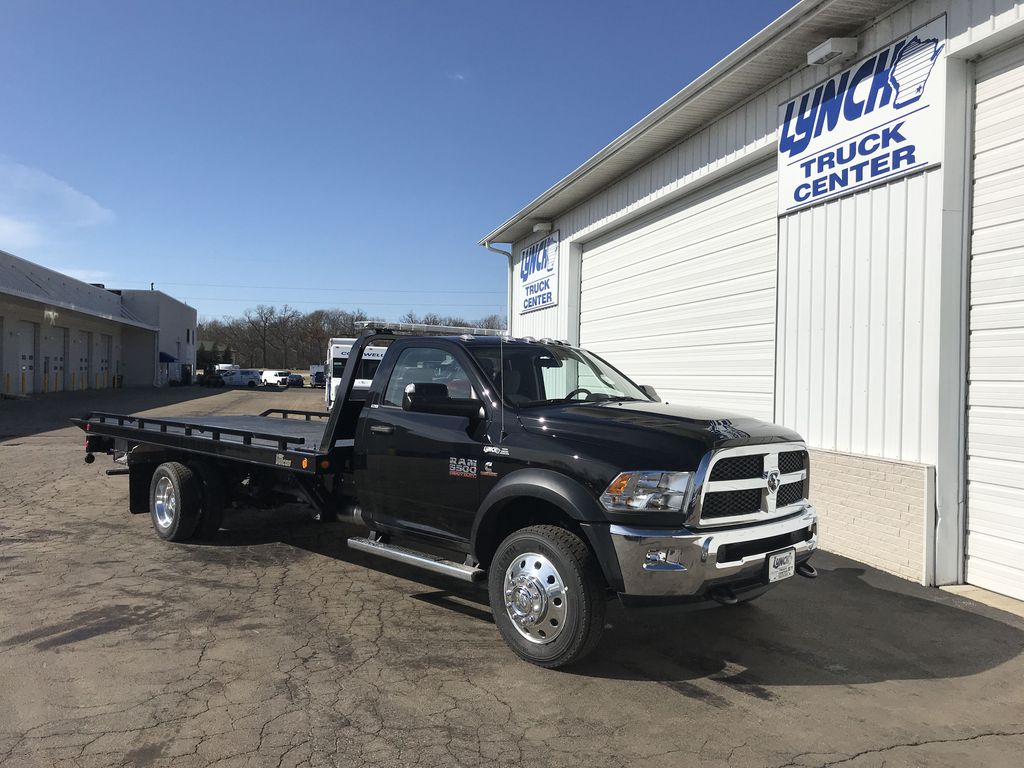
(272, 337)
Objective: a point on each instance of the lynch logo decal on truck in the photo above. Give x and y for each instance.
(538, 275)
(877, 120)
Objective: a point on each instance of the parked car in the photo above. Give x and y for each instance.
(242, 377)
(318, 379)
(275, 378)
(211, 380)
(296, 380)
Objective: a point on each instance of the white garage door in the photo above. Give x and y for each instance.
(995, 434)
(684, 300)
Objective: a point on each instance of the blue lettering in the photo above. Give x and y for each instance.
(831, 104)
(852, 109)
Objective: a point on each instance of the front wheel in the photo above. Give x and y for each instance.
(547, 595)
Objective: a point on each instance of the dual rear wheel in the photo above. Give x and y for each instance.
(186, 501)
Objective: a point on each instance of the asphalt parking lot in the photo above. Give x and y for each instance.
(277, 646)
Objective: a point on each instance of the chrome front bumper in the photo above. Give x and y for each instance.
(676, 563)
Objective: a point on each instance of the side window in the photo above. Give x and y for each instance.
(425, 365)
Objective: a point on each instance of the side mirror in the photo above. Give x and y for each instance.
(433, 398)
(648, 390)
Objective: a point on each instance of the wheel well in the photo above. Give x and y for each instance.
(514, 514)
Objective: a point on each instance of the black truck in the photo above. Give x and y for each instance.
(533, 465)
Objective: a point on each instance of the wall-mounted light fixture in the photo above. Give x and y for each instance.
(542, 226)
(832, 49)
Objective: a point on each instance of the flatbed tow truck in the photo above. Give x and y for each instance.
(533, 465)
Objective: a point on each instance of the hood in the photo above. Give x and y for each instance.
(653, 425)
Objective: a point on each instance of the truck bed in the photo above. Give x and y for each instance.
(285, 439)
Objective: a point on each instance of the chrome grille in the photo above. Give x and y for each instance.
(752, 483)
(738, 468)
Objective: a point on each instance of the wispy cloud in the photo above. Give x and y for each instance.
(37, 208)
(457, 76)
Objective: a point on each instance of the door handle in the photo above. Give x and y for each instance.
(382, 429)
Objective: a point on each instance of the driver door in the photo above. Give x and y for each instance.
(423, 468)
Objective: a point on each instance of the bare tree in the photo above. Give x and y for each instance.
(260, 321)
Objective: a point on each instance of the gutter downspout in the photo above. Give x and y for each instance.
(508, 299)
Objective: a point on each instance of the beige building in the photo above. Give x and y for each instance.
(58, 333)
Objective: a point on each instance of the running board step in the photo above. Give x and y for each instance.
(419, 559)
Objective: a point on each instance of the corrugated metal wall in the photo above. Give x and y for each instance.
(856, 325)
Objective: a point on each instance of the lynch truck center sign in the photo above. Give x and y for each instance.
(879, 119)
(538, 275)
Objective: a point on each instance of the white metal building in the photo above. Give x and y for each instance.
(837, 246)
(59, 334)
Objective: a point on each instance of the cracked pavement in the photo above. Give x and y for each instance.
(275, 645)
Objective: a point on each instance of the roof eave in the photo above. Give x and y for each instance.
(799, 12)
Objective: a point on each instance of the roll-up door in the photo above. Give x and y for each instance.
(684, 300)
(995, 417)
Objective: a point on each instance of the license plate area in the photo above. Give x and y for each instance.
(781, 564)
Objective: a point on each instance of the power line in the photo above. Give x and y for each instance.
(312, 288)
(371, 303)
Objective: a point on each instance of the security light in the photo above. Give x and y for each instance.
(833, 48)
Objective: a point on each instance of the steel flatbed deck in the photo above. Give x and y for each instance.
(291, 440)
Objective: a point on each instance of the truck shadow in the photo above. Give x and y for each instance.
(851, 625)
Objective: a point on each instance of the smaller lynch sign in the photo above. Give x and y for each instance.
(879, 119)
(538, 275)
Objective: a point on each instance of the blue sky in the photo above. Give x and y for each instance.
(319, 153)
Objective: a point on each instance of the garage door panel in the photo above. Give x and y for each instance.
(735, 361)
(999, 164)
(989, 511)
(685, 300)
(995, 415)
(736, 254)
(996, 471)
(674, 322)
(607, 302)
(702, 213)
(718, 239)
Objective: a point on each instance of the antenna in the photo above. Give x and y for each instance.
(501, 385)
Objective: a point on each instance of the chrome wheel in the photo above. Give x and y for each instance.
(535, 597)
(165, 503)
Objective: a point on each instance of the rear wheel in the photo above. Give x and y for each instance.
(174, 501)
(547, 595)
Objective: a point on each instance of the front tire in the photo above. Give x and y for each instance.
(547, 595)
(174, 501)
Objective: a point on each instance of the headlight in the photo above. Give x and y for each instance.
(633, 491)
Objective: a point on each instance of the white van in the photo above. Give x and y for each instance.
(241, 377)
(275, 378)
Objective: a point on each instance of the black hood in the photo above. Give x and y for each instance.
(656, 425)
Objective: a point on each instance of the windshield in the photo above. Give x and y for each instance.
(533, 374)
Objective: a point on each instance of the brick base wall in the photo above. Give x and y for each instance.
(872, 510)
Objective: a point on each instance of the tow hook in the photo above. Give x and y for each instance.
(724, 595)
(807, 570)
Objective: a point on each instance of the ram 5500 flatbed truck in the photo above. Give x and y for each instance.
(531, 464)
